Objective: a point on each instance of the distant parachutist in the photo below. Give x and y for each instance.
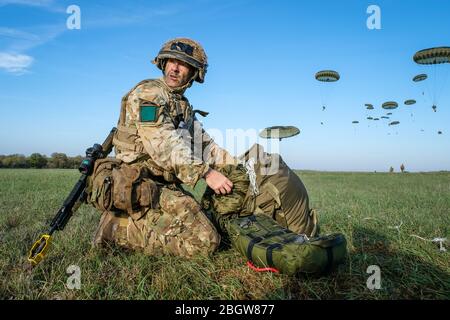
(323, 108)
(434, 108)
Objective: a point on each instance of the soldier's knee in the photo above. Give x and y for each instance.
(199, 238)
(209, 241)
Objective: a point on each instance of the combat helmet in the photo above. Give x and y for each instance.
(186, 50)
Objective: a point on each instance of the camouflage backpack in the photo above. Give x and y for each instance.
(272, 227)
(267, 244)
(279, 194)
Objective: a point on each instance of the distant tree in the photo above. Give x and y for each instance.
(59, 160)
(15, 161)
(402, 168)
(37, 160)
(391, 169)
(75, 161)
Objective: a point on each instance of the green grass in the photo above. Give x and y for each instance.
(365, 207)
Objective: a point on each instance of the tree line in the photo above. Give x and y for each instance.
(36, 160)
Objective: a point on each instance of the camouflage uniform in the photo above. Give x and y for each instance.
(158, 129)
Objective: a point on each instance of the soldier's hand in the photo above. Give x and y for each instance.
(218, 182)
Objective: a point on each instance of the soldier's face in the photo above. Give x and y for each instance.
(177, 73)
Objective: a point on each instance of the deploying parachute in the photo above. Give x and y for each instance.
(355, 123)
(326, 76)
(369, 107)
(420, 77)
(279, 132)
(410, 102)
(389, 105)
(434, 56)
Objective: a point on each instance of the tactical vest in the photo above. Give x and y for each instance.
(126, 136)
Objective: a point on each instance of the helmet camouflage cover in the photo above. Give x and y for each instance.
(186, 50)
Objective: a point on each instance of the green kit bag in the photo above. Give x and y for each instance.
(267, 244)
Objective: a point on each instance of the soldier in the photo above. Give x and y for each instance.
(161, 144)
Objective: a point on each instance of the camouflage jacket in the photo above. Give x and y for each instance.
(158, 125)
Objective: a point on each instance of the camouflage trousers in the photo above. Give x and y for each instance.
(178, 227)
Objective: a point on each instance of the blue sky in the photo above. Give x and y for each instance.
(60, 89)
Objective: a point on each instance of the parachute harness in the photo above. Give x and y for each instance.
(250, 169)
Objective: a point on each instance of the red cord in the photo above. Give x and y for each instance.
(252, 266)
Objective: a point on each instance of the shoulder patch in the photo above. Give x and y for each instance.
(148, 112)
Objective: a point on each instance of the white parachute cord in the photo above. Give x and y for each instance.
(441, 241)
(250, 169)
(397, 227)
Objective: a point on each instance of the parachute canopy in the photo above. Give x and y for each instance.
(410, 102)
(389, 105)
(376, 119)
(279, 132)
(420, 77)
(393, 123)
(439, 132)
(327, 76)
(369, 118)
(384, 117)
(369, 106)
(435, 55)
(355, 121)
(389, 114)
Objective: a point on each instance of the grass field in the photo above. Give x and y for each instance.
(382, 215)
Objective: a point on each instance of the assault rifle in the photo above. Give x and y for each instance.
(74, 200)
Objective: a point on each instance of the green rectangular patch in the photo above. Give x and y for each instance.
(148, 113)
